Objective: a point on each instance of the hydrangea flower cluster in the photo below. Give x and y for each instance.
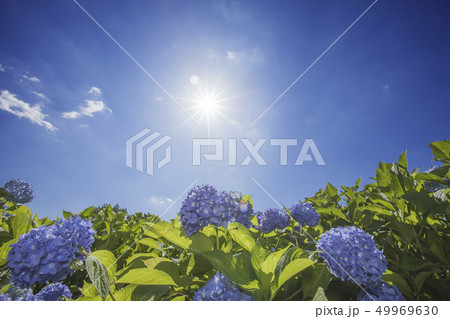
(20, 191)
(220, 288)
(204, 206)
(45, 253)
(16, 293)
(381, 291)
(351, 254)
(54, 292)
(305, 214)
(271, 219)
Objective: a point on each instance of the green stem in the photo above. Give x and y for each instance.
(294, 294)
(112, 296)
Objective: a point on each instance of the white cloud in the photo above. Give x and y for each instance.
(95, 90)
(71, 115)
(2, 68)
(41, 95)
(160, 201)
(10, 103)
(31, 78)
(88, 110)
(158, 98)
(195, 80)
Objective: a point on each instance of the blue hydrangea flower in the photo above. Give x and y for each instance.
(305, 214)
(381, 291)
(355, 252)
(220, 288)
(204, 206)
(5, 297)
(271, 219)
(54, 292)
(79, 231)
(20, 191)
(44, 254)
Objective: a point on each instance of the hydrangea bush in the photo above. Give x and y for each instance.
(387, 240)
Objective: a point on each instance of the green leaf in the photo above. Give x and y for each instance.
(22, 221)
(148, 293)
(441, 150)
(149, 242)
(76, 264)
(108, 259)
(241, 235)
(163, 264)
(315, 278)
(397, 280)
(98, 274)
(237, 268)
(320, 295)
(383, 175)
(402, 160)
(330, 190)
(198, 242)
(293, 268)
(67, 214)
(145, 276)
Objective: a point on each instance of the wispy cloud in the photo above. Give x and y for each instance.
(160, 201)
(158, 98)
(90, 107)
(10, 103)
(2, 68)
(88, 110)
(41, 95)
(95, 90)
(31, 78)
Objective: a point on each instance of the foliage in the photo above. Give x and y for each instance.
(140, 257)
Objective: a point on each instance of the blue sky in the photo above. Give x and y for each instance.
(70, 97)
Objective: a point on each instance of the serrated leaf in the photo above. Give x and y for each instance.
(76, 264)
(108, 259)
(320, 295)
(98, 274)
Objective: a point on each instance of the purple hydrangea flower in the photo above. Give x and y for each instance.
(220, 288)
(5, 297)
(271, 219)
(381, 291)
(54, 292)
(44, 254)
(20, 191)
(351, 254)
(305, 214)
(204, 206)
